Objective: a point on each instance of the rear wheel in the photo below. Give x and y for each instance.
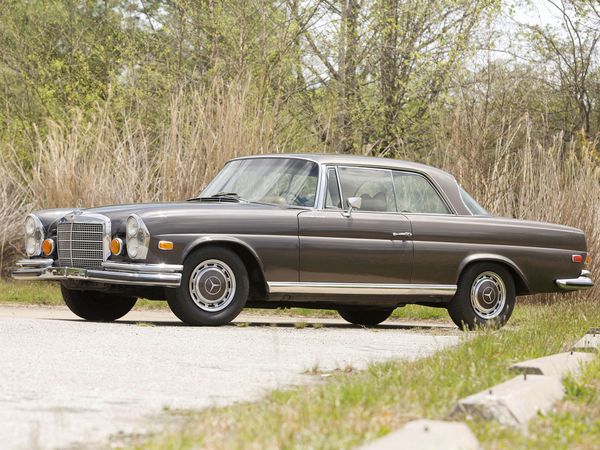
(214, 288)
(365, 317)
(97, 306)
(485, 297)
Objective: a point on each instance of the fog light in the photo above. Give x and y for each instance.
(48, 247)
(165, 245)
(116, 246)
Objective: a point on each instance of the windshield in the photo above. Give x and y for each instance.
(280, 181)
(471, 204)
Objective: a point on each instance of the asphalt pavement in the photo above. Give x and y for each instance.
(69, 383)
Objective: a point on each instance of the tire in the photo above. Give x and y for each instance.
(97, 306)
(214, 288)
(485, 297)
(365, 317)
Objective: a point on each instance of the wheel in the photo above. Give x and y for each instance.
(485, 297)
(214, 288)
(97, 306)
(365, 317)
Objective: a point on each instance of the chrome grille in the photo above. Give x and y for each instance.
(80, 244)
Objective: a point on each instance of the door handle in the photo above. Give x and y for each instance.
(405, 235)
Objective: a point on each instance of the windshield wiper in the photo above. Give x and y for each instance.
(222, 196)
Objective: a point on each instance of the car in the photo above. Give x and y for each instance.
(361, 235)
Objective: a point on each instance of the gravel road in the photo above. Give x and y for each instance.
(69, 383)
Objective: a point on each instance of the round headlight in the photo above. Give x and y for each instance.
(29, 226)
(133, 247)
(132, 227)
(30, 246)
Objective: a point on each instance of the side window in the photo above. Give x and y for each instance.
(333, 200)
(415, 194)
(373, 186)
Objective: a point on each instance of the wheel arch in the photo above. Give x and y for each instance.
(253, 263)
(521, 284)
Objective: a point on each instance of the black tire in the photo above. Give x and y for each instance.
(97, 306)
(210, 268)
(488, 281)
(365, 317)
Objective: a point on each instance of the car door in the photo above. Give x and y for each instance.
(372, 245)
(438, 234)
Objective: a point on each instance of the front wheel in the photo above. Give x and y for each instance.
(97, 306)
(365, 317)
(485, 297)
(214, 288)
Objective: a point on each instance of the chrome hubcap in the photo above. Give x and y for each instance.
(488, 295)
(212, 285)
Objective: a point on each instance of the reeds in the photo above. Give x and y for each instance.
(97, 161)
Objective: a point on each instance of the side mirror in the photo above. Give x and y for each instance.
(353, 203)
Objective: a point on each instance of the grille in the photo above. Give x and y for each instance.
(80, 244)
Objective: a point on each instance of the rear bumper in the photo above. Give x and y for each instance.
(167, 275)
(573, 284)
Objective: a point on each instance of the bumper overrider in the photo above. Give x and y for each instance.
(584, 281)
(167, 275)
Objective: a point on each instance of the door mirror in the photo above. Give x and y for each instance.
(353, 203)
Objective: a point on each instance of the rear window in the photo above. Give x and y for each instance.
(471, 204)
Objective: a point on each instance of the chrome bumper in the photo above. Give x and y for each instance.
(573, 284)
(167, 275)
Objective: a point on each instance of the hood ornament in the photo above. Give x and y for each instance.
(76, 212)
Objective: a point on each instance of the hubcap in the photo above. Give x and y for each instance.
(212, 285)
(488, 295)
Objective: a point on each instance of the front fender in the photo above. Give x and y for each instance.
(218, 238)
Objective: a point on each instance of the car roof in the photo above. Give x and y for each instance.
(371, 161)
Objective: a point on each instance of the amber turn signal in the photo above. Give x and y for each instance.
(588, 260)
(116, 246)
(48, 247)
(165, 245)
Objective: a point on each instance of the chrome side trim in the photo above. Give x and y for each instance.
(279, 287)
(135, 274)
(574, 284)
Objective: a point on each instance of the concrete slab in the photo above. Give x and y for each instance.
(427, 435)
(559, 365)
(588, 343)
(513, 402)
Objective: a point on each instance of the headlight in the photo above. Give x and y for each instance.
(29, 226)
(138, 238)
(34, 235)
(132, 226)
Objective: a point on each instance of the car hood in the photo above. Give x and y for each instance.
(153, 212)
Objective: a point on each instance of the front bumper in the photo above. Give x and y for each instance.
(573, 284)
(167, 275)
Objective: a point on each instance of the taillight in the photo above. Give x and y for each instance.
(577, 258)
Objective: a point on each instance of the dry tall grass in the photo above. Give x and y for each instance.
(100, 162)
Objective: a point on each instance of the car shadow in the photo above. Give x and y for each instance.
(299, 324)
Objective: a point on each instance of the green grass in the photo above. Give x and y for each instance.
(361, 406)
(30, 293)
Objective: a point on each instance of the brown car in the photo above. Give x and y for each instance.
(356, 234)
